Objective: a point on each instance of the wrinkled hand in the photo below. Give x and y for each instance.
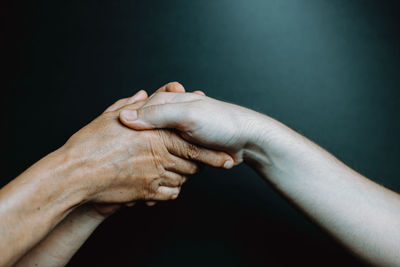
(108, 209)
(122, 165)
(200, 119)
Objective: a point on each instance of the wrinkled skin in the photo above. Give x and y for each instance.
(139, 165)
(103, 163)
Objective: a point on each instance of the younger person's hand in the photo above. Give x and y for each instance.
(200, 119)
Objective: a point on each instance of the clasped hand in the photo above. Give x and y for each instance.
(127, 154)
(122, 165)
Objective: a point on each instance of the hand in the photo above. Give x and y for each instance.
(123, 165)
(107, 209)
(199, 119)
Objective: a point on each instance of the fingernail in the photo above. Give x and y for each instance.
(129, 114)
(228, 164)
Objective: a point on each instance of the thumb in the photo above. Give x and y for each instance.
(170, 115)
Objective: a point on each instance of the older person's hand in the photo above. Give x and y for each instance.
(105, 162)
(174, 87)
(123, 165)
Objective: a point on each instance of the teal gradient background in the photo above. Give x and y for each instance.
(328, 69)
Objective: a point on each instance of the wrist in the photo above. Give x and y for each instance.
(61, 174)
(264, 141)
(81, 171)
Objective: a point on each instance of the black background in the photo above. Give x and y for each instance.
(328, 69)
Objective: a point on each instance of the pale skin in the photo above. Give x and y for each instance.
(362, 215)
(48, 211)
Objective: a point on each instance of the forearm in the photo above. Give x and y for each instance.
(63, 242)
(34, 203)
(358, 212)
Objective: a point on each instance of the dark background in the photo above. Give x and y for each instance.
(328, 69)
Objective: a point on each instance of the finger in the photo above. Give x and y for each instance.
(150, 203)
(199, 92)
(117, 104)
(182, 166)
(171, 87)
(172, 97)
(106, 209)
(139, 96)
(166, 193)
(136, 105)
(173, 179)
(163, 110)
(156, 116)
(183, 149)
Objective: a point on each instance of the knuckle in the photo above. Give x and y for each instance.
(193, 152)
(163, 173)
(170, 164)
(150, 193)
(152, 185)
(179, 181)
